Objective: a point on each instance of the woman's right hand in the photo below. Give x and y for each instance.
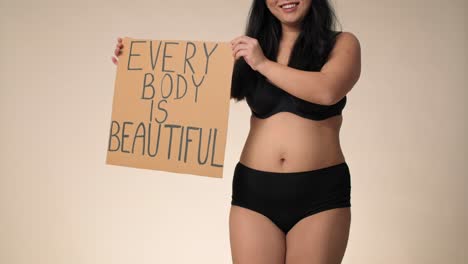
(117, 51)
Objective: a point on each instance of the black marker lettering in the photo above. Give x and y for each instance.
(135, 55)
(208, 55)
(166, 56)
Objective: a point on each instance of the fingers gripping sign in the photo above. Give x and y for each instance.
(250, 49)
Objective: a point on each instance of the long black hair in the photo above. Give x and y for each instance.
(310, 50)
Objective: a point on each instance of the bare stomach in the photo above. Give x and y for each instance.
(286, 142)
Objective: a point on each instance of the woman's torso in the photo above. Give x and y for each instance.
(285, 142)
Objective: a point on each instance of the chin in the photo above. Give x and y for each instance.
(291, 17)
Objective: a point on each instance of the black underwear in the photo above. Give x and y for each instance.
(287, 197)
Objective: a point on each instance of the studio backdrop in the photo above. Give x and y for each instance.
(403, 134)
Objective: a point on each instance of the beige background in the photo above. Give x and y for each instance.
(403, 136)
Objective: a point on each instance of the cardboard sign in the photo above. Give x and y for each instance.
(171, 106)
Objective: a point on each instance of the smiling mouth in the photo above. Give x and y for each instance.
(289, 5)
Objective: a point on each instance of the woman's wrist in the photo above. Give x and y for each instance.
(261, 67)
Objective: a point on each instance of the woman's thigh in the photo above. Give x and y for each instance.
(320, 238)
(254, 238)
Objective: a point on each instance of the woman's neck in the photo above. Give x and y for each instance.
(289, 34)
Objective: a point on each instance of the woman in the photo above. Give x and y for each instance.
(291, 187)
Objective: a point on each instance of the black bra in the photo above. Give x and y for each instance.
(269, 99)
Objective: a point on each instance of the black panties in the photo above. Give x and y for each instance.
(287, 197)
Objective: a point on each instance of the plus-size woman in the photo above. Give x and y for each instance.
(291, 189)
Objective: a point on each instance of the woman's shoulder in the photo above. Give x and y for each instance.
(346, 36)
(345, 40)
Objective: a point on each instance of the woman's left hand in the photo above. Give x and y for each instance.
(250, 49)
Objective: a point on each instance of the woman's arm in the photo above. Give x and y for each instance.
(330, 84)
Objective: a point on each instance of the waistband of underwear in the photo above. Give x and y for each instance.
(325, 170)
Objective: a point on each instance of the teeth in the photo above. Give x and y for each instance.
(289, 6)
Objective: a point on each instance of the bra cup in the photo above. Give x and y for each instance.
(264, 99)
(308, 107)
(267, 100)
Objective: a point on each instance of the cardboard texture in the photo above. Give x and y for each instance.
(171, 106)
